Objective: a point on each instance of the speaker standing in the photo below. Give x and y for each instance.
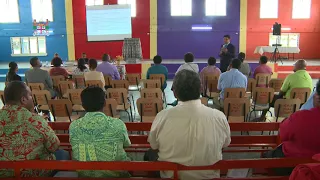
(227, 52)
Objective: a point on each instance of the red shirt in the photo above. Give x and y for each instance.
(263, 68)
(300, 134)
(57, 71)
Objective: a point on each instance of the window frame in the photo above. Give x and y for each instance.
(133, 13)
(181, 13)
(18, 11)
(94, 3)
(268, 10)
(50, 19)
(215, 1)
(29, 47)
(301, 10)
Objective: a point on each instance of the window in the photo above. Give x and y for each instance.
(286, 39)
(42, 10)
(94, 2)
(181, 7)
(216, 7)
(28, 46)
(269, 9)
(133, 6)
(301, 9)
(9, 11)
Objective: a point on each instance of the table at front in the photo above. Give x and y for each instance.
(270, 49)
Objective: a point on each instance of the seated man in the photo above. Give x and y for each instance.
(263, 67)
(107, 68)
(57, 70)
(38, 75)
(245, 67)
(97, 137)
(299, 135)
(158, 68)
(299, 79)
(191, 133)
(230, 79)
(25, 135)
(211, 69)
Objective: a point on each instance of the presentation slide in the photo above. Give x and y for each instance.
(108, 22)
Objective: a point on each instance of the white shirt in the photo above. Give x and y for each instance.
(189, 66)
(94, 75)
(190, 134)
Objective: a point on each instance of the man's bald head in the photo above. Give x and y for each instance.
(300, 65)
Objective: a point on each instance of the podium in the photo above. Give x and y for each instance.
(131, 50)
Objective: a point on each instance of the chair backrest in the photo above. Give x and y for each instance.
(60, 108)
(151, 83)
(149, 107)
(107, 80)
(211, 85)
(41, 97)
(276, 84)
(74, 95)
(204, 101)
(286, 107)
(263, 79)
(234, 92)
(252, 83)
(2, 97)
(120, 84)
(36, 86)
(64, 86)
(151, 93)
(160, 77)
(79, 81)
(300, 93)
(119, 94)
(133, 79)
(111, 107)
(262, 95)
(96, 83)
(56, 80)
(236, 109)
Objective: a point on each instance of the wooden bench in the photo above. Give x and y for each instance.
(140, 143)
(151, 166)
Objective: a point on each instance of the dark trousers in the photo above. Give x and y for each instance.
(152, 155)
(278, 153)
(60, 155)
(264, 112)
(224, 64)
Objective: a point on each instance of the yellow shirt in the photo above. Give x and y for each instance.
(299, 79)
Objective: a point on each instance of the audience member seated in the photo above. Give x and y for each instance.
(38, 75)
(81, 68)
(25, 135)
(211, 69)
(107, 68)
(93, 74)
(189, 65)
(190, 134)
(299, 135)
(158, 68)
(309, 104)
(97, 137)
(263, 67)
(12, 74)
(56, 55)
(230, 79)
(57, 70)
(84, 56)
(245, 67)
(299, 79)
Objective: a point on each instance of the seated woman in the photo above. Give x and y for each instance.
(93, 74)
(245, 67)
(158, 68)
(210, 69)
(81, 68)
(57, 70)
(12, 74)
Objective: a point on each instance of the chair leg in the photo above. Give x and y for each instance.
(134, 107)
(270, 113)
(128, 115)
(132, 119)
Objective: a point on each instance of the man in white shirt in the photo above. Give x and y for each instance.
(191, 133)
(189, 65)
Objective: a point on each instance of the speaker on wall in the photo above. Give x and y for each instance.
(276, 29)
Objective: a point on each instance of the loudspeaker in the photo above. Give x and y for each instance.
(276, 29)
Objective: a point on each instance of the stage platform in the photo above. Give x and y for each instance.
(280, 70)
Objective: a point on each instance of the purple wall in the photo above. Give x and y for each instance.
(175, 37)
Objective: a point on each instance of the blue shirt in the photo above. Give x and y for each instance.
(231, 79)
(158, 69)
(309, 104)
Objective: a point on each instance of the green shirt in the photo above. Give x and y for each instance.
(97, 137)
(299, 79)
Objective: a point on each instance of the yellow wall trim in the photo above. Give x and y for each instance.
(70, 31)
(153, 28)
(243, 25)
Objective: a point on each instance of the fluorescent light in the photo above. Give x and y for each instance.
(201, 28)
